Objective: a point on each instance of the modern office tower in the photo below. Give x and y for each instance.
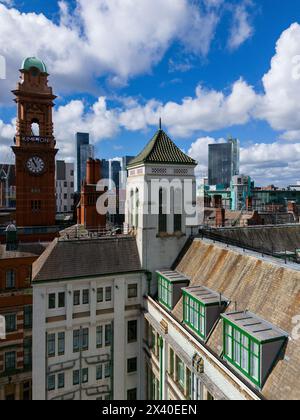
(124, 163)
(85, 151)
(114, 172)
(104, 169)
(224, 162)
(64, 187)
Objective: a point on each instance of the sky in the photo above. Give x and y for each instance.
(209, 68)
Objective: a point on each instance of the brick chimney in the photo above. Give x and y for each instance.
(220, 217)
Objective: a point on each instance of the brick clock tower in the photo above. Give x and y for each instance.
(35, 147)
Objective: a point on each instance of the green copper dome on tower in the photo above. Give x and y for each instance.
(30, 62)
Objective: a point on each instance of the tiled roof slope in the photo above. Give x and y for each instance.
(161, 149)
(68, 259)
(271, 291)
(23, 251)
(273, 238)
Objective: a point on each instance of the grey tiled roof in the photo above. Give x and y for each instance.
(161, 149)
(24, 250)
(68, 259)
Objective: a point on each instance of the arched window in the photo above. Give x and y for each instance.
(35, 128)
(177, 210)
(131, 208)
(137, 206)
(162, 217)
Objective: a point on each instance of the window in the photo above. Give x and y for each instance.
(171, 362)
(76, 341)
(85, 375)
(194, 314)
(85, 339)
(108, 294)
(36, 206)
(132, 394)
(108, 335)
(27, 317)
(107, 370)
(11, 323)
(180, 372)
(177, 222)
(27, 352)
(243, 351)
(132, 291)
(51, 382)
(10, 361)
(52, 301)
(61, 343)
(80, 339)
(99, 373)
(76, 377)
(76, 298)
(85, 297)
(99, 337)
(10, 279)
(165, 292)
(100, 295)
(162, 218)
(51, 345)
(189, 386)
(132, 365)
(61, 300)
(132, 331)
(61, 380)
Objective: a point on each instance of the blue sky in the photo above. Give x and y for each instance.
(118, 65)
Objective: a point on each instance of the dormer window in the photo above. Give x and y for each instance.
(170, 284)
(252, 345)
(201, 309)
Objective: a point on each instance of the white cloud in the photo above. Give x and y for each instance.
(280, 104)
(114, 38)
(241, 29)
(209, 110)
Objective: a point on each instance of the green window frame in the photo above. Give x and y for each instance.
(180, 372)
(194, 314)
(165, 292)
(243, 351)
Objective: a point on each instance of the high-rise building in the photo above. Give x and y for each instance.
(85, 151)
(224, 162)
(64, 187)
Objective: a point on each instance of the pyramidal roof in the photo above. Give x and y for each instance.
(161, 149)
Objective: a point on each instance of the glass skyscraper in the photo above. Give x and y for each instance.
(223, 162)
(84, 151)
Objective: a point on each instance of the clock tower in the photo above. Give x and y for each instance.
(34, 147)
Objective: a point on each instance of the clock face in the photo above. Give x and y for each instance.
(35, 165)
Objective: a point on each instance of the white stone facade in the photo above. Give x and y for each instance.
(54, 363)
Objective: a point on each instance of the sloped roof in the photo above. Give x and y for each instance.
(269, 290)
(24, 250)
(70, 259)
(161, 149)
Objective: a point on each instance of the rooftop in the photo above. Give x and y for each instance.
(161, 149)
(256, 285)
(79, 258)
(24, 250)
